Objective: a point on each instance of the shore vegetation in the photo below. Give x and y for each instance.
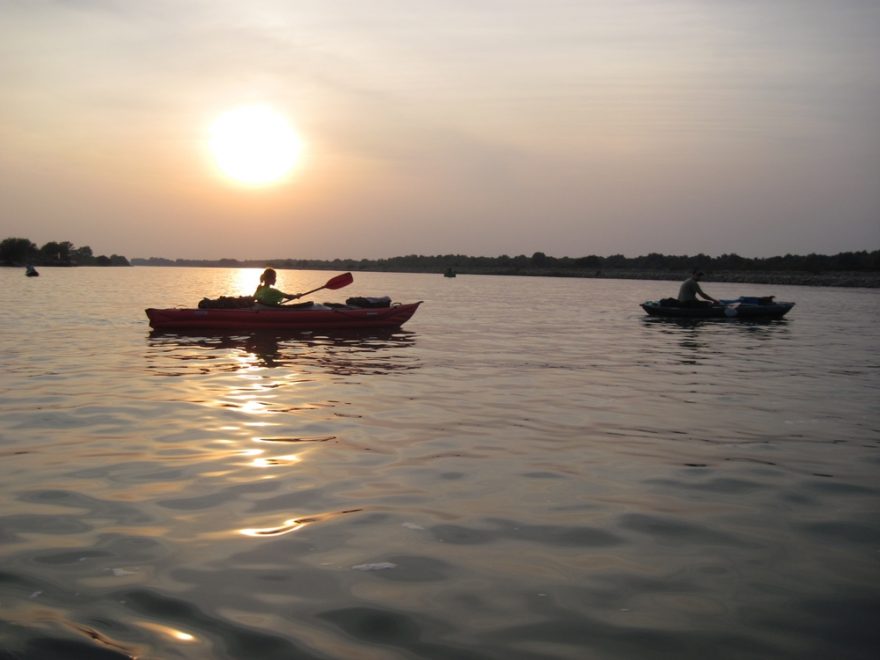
(21, 251)
(847, 269)
(853, 269)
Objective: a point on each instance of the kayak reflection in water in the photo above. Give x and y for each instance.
(690, 289)
(266, 294)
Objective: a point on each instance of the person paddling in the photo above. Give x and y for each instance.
(267, 294)
(690, 289)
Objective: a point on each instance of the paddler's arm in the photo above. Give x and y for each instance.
(707, 296)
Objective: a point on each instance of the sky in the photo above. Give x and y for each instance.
(478, 127)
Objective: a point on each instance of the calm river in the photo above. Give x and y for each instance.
(530, 468)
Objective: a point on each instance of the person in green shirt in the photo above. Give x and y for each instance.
(266, 294)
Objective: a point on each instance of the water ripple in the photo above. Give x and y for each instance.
(539, 475)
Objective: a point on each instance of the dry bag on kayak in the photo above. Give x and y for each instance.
(226, 302)
(384, 301)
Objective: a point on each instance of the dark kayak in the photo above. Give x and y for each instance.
(744, 307)
(282, 318)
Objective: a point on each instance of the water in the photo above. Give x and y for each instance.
(530, 468)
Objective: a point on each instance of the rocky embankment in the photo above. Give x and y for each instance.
(857, 280)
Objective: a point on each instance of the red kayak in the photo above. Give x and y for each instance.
(292, 318)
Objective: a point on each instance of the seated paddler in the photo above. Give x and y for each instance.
(690, 289)
(267, 294)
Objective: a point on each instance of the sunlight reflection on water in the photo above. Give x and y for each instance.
(545, 473)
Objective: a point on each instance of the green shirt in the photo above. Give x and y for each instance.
(267, 295)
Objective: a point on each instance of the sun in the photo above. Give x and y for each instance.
(254, 145)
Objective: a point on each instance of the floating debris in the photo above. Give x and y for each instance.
(320, 438)
(378, 566)
(121, 571)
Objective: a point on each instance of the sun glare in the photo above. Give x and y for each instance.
(254, 145)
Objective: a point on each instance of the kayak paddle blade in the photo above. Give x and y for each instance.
(333, 283)
(339, 281)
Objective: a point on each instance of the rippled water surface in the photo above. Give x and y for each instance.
(530, 468)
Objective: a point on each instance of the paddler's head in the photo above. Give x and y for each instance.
(268, 276)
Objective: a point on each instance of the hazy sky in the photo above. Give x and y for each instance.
(482, 127)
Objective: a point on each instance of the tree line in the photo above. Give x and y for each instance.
(21, 251)
(540, 263)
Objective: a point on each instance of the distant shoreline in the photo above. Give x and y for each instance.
(860, 269)
(848, 279)
(843, 279)
(66, 265)
(864, 280)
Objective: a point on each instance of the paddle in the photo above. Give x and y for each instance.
(333, 283)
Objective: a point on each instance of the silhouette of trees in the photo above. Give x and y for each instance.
(53, 251)
(20, 251)
(16, 250)
(543, 264)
